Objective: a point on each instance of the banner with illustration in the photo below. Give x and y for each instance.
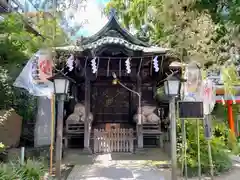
(193, 89)
(35, 74)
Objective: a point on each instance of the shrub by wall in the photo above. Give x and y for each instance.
(219, 144)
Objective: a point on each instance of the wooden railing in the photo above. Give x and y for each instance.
(75, 128)
(113, 140)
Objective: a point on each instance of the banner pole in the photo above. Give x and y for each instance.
(54, 3)
(52, 132)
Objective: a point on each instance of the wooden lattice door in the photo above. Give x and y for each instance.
(110, 104)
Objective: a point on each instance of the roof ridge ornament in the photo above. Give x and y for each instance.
(112, 13)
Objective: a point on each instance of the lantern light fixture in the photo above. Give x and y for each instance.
(60, 83)
(172, 86)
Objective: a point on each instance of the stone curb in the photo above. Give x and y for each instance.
(161, 165)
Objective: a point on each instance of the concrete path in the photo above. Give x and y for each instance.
(118, 170)
(119, 166)
(133, 171)
(129, 167)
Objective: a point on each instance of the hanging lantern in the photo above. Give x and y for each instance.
(61, 84)
(115, 80)
(172, 86)
(128, 65)
(94, 65)
(155, 64)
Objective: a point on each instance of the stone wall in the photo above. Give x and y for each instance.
(10, 128)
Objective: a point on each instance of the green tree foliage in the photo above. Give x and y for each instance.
(195, 30)
(221, 10)
(22, 43)
(181, 26)
(17, 45)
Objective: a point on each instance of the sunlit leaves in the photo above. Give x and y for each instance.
(180, 25)
(230, 79)
(70, 12)
(221, 10)
(48, 26)
(18, 44)
(204, 29)
(133, 12)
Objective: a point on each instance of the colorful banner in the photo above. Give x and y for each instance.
(42, 66)
(34, 76)
(209, 96)
(193, 86)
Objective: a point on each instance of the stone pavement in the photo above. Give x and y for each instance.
(118, 166)
(132, 171)
(129, 167)
(118, 170)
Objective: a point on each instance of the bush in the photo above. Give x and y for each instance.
(238, 145)
(3, 153)
(219, 145)
(7, 173)
(2, 147)
(31, 170)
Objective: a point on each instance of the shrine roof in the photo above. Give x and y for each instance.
(114, 29)
(151, 49)
(70, 48)
(114, 33)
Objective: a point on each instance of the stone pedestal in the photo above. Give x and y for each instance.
(42, 130)
(87, 151)
(87, 132)
(139, 137)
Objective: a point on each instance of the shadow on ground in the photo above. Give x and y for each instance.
(76, 157)
(145, 165)
(119, 166)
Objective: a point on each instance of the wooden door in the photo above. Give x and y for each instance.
(110, 104)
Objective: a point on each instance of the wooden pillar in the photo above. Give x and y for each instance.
(87, 112)
(230, 116)
(59, 135)
(139, 125)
